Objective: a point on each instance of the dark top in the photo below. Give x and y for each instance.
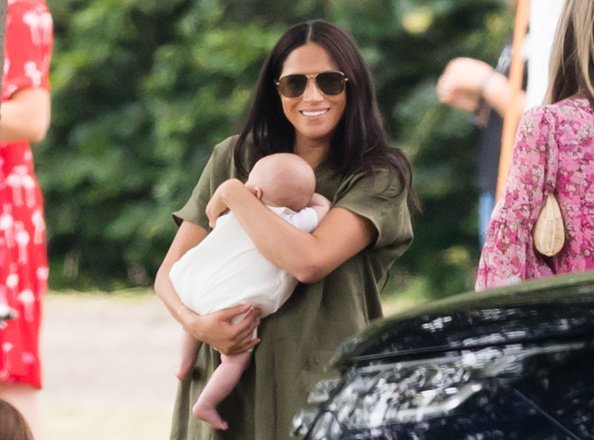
(490, 137)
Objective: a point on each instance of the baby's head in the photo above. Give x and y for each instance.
(285, 179)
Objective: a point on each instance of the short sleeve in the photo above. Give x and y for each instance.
(29, 41)
(379, 197)
(218, 169)
(508, 255)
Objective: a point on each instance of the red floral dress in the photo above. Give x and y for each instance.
(551, 138)
(23, 259)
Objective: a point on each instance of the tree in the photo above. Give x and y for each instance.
(408, 43)
(142, 90)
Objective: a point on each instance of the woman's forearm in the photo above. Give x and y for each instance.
(188, 236)
(308, 257)
(26, 116)
(497, 92)
(216, 329)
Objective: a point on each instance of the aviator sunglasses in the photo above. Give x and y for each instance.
(329, 83)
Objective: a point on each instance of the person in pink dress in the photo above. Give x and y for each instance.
(555, 144)
(24, 119)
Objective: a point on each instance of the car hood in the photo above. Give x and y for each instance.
(548, 309)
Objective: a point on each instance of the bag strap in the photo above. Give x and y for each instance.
(552, 165)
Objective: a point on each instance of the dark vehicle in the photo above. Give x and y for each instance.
(512, 363)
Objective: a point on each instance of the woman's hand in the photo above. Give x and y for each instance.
(219, 330)
(216, 329)
(462, 82)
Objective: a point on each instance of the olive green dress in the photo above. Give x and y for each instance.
(299, 339)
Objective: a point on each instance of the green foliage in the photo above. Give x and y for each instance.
(444, 142)
(408, 43)
(143, 89)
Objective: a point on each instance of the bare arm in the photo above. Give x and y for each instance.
(26, 116)
(465, 80)
(214, 329)
(497, 92)
(308, 257)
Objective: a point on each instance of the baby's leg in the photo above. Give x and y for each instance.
(188, 353)
(220, 384)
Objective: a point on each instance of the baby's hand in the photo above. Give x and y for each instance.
(320, 204)
(216, 205)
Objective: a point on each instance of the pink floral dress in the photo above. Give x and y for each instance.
(551, 138)
(23, 260)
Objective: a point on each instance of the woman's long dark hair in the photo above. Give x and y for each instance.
(360, 141)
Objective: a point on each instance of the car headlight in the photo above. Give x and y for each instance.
(374, 396)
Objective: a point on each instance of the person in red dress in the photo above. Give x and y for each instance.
(24, 118)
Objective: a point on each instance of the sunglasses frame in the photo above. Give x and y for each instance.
(277, 83)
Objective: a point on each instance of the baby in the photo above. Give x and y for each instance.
(226, 269)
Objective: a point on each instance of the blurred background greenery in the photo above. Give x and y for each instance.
(143, 89)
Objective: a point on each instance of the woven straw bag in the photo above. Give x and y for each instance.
(548, 232)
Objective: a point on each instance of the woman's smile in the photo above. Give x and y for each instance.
(314, 113)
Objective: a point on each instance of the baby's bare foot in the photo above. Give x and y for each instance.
(209, 415)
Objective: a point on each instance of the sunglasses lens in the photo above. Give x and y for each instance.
(330, 83)
(292, 86)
